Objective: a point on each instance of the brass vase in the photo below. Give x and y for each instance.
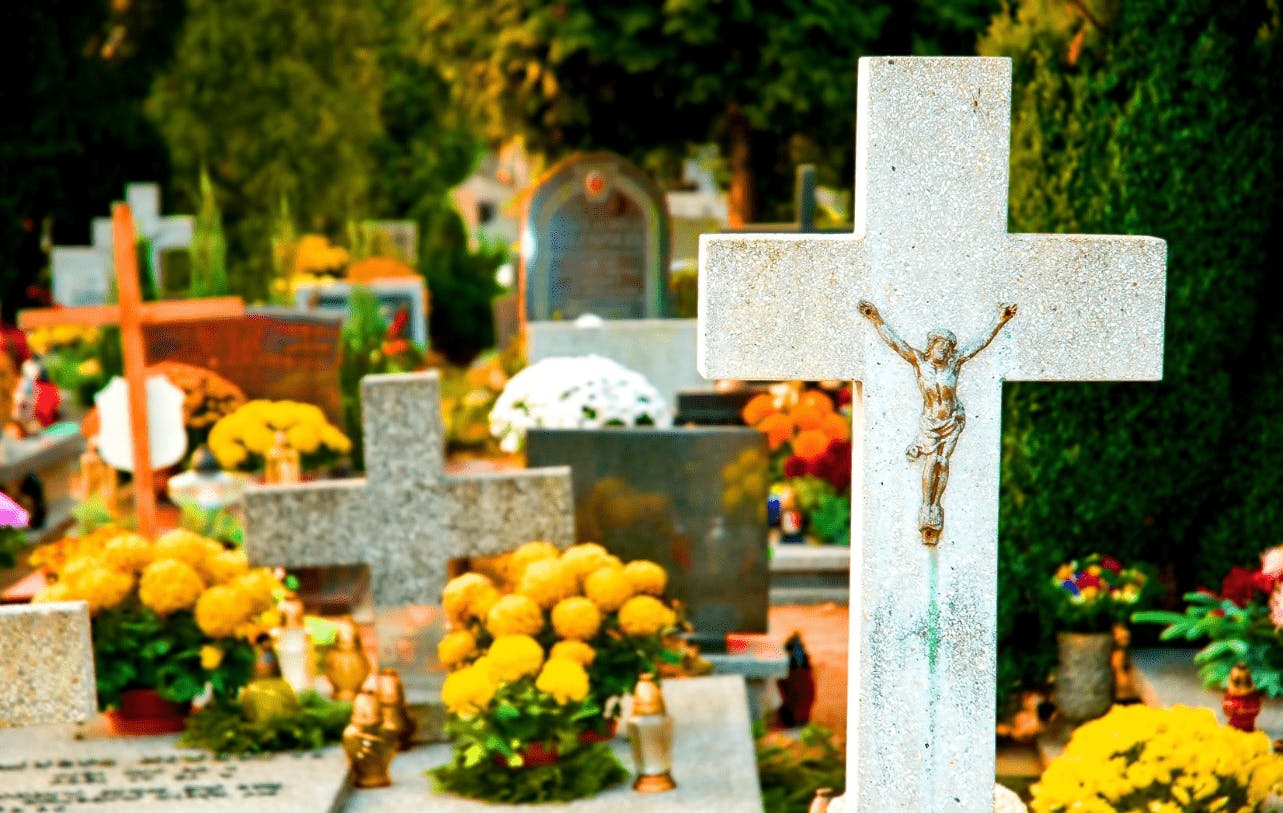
(346, 666)
(396, 718)
(1084, 675)
(369, 747)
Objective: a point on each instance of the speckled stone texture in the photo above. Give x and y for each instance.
(713, 763)
(46, 664)
(407, 517)
(70, 769)
(930, 250)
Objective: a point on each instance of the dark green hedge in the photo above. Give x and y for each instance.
(1148, 117)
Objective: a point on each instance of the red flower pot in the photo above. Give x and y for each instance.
(144, 712)
(534, 755)
(592, 736)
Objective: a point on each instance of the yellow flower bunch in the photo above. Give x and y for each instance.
(468, 691)
(1143, 758)
(576, 651)
(456, 648)
(645, 615)
(514, 614)
(244, 438)
(54, 556)
(170, 585)
(512, 657)
(314, 254)
(609, 588)
(468, 597)
(547, 582)
(564, 679)
(223, 611)
(582, 560)
(42, 340)
(93, 581)
(576, 618)
(646, 577)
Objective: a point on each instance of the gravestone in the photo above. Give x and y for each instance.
(270, 352)
(409, 294)
(46, 666)
(805, 205)
(693, 500)
(930, 251)
(662, 350)
(406, 518)
(62, 770)
(82, 274)
(398, 239)
(38, 471)
(595, 240)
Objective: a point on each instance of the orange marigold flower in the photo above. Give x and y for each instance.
(759, 407)
(810, 444)
(836, 427)
(807, 416)
(816, 400)
(778, 429)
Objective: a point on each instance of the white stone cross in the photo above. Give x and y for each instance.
(161, 233)
(931, 251)
(406, 518)
(46, 664)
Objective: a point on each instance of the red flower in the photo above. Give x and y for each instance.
(1241, 585)
(399, 323)
(795, 467)
(1085, 580)
(835, 465)
(1111, 564)
(844, 397)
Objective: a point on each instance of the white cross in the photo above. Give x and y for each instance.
(406, 518)
(931, 251)
(162, 233)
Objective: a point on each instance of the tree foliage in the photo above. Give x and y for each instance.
(72, 133)
(1147, 117)
(773, 81)
(278, 101)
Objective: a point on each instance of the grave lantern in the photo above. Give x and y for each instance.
(206, 484)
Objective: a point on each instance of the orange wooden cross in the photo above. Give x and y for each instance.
(131, 314)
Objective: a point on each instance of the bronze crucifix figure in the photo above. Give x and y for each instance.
(943, 415)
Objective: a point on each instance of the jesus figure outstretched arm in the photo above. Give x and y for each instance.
(1005, 314)
(900, 346)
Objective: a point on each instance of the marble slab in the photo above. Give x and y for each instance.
(46, 664)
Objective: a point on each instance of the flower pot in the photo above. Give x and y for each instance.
(144, 712)
(594, 735)
(1084, 675)
(534, 755)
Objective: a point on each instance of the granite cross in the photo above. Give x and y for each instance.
(932, 252)
(46, 664)
(406, 518)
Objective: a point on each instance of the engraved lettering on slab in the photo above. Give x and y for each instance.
(943, 415)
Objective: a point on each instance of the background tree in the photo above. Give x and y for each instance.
(773, 82)
(72, 132)
(278, 101)
(1148, 117)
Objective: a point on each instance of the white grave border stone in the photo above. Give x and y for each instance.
(931, 250)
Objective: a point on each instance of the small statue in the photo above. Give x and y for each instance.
(368, 746)
(1120, 660)
(396, 717)
(35, 399)
(283, 465)
(268, 696)
(1242, 701)
(943, 415)
(346, 665)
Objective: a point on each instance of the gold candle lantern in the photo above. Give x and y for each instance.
(396, 717)
(346, 666)
(294, 645)
(368, 746)
(650, 732)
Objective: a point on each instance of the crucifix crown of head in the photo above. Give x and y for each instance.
(931, 246)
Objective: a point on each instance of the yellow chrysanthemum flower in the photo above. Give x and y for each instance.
(51, 593)
(512, 657)
(222, 611)
(335, 440)
(129, 553)
(514, 614)
(467, 597)
(169, 585)
(186, 546)
(608, 588)
(576, 618)
(211, 657)
(101, 587)
(576, 651)
(526, 554)
(584, 559)
(564, 679)
(645, 615)
(455, 648)
(224, 566)
(467, 691)
(304, 438)
(547, 582)
(259, 586)
(646, 577)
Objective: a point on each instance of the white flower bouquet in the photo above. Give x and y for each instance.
(582, 392)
